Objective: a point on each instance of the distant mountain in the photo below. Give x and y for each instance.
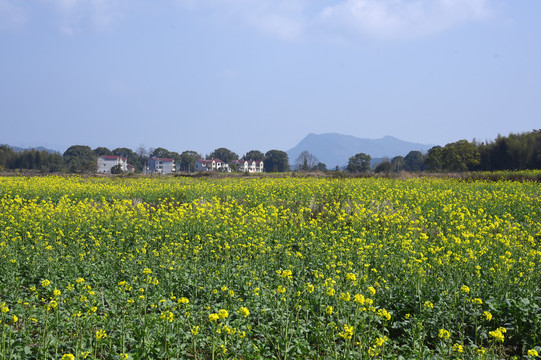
(39, 148)
(336, 149)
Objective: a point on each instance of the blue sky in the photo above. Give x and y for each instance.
(262, 74)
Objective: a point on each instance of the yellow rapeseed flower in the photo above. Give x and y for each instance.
(101, 334)
(345, 296)
(428, 305)
(533, 353)
(384, 314)
(347, 333)
(497, 335)
(244, 311)
(287, 274)
(444, 334)
(167, 315)
(381, 340)
(223, 314)
(52, 305)
(330, 291)
(328, 310)
(359, 298)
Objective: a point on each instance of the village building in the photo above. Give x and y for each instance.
(250, 166)
(107, 162)
(211, 165)
(158, 165)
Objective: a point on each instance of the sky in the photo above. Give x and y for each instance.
(263, 74)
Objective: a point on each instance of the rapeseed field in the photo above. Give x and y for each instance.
(269, 268)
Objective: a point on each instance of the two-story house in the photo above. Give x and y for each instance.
(250, 166)
(211, 165)
(106, 163)
(158, 165)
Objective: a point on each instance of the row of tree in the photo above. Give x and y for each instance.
(81, 158)
(513, 152)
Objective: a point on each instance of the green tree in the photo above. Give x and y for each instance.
(384, 166)
(188, 159)
(359, 163)
(117, 169)
(79, 158)
(414, 161)
(276, 161)
(321, 166)
(224, 154)
(161, 153)
(54, 163)
(398, 163)
(122, 151)
(99, 151)
(6, 154)
(460, 156)
(434, 159)
(255, 155)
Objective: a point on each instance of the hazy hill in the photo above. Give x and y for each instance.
(39, 148)
(336, 149)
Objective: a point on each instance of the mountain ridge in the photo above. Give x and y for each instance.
(334, 149)
(37, 148)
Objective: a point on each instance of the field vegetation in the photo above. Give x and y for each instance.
(269, 268)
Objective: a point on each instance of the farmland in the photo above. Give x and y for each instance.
(260, 268)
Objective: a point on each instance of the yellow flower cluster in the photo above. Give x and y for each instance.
(347, 333)
(498, 334)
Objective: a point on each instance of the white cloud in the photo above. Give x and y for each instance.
(391, 19)
(11, 15)
(280, 18)
(284, 19)
(401, 19)
(76, 14)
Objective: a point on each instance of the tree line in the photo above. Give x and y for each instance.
(83, 159)
(513, 152)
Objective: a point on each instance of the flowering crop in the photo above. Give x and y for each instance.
(268, 268)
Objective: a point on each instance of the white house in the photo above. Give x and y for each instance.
(106, 163)
(211, 165)
(250, 166)
(158, 165)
